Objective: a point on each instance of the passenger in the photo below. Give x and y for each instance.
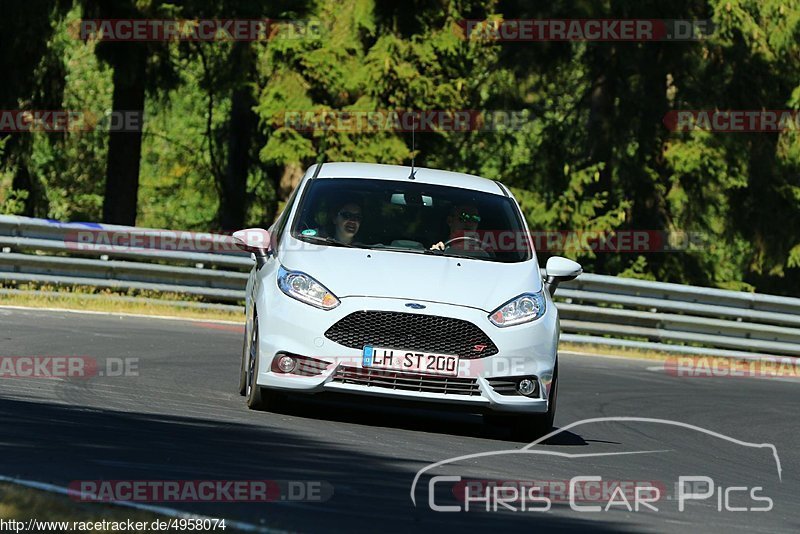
(346, 222)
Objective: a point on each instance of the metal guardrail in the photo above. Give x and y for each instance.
(124, 258)
(594, 309)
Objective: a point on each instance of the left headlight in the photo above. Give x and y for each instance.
(522, 309)
(304, 288)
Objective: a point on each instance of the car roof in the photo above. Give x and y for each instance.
(379, 171)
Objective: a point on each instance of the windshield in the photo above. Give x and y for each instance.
(411, 217)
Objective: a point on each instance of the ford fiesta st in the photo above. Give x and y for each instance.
(412, 284)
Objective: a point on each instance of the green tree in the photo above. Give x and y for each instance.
(32, 79)
(137, 67)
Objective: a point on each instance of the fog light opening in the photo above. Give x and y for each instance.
(526, 387)
(286, 364)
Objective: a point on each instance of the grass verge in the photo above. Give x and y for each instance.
(142, 303)
(623, 352)
(22, 504)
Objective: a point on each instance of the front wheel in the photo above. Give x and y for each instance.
(255, 400)
(247, 344)
(544, 422)
(258, 398)
(529, 427)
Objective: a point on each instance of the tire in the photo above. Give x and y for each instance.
(255, 401)
(543, 423)
(258, 398)
(530, 427)
(243, 367)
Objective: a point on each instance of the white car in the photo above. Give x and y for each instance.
(408, 284)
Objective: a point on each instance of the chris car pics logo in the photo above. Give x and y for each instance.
(586, 492)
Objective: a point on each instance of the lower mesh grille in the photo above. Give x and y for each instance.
(504, 387)
(307, 366)
(407, 381)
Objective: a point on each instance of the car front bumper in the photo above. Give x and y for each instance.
(292, 327)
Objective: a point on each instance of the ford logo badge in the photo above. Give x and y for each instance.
(415, 306)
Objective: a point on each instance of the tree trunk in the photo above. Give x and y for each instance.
(22, 183)
(234, 182)
(125, 147)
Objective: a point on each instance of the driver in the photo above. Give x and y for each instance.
(463, 221)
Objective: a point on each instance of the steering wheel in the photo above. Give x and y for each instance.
(480, 243)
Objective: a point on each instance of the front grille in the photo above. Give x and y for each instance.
(407, 381)
(412, 331)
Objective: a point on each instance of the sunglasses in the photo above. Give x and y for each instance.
(350, 216)
(466, 217)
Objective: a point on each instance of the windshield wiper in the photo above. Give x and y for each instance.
(404, 249)
(325, 240)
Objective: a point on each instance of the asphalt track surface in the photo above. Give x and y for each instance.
(182, 419)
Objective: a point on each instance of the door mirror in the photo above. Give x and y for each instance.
(254, 240)
(560, 270)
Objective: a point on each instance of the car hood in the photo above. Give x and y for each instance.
(351, 272)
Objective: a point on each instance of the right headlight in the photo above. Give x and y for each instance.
(304, 288)
(522, 309)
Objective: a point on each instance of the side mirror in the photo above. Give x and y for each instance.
(559, 270)
(254, 240)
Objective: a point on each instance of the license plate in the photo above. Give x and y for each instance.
(411, 361)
